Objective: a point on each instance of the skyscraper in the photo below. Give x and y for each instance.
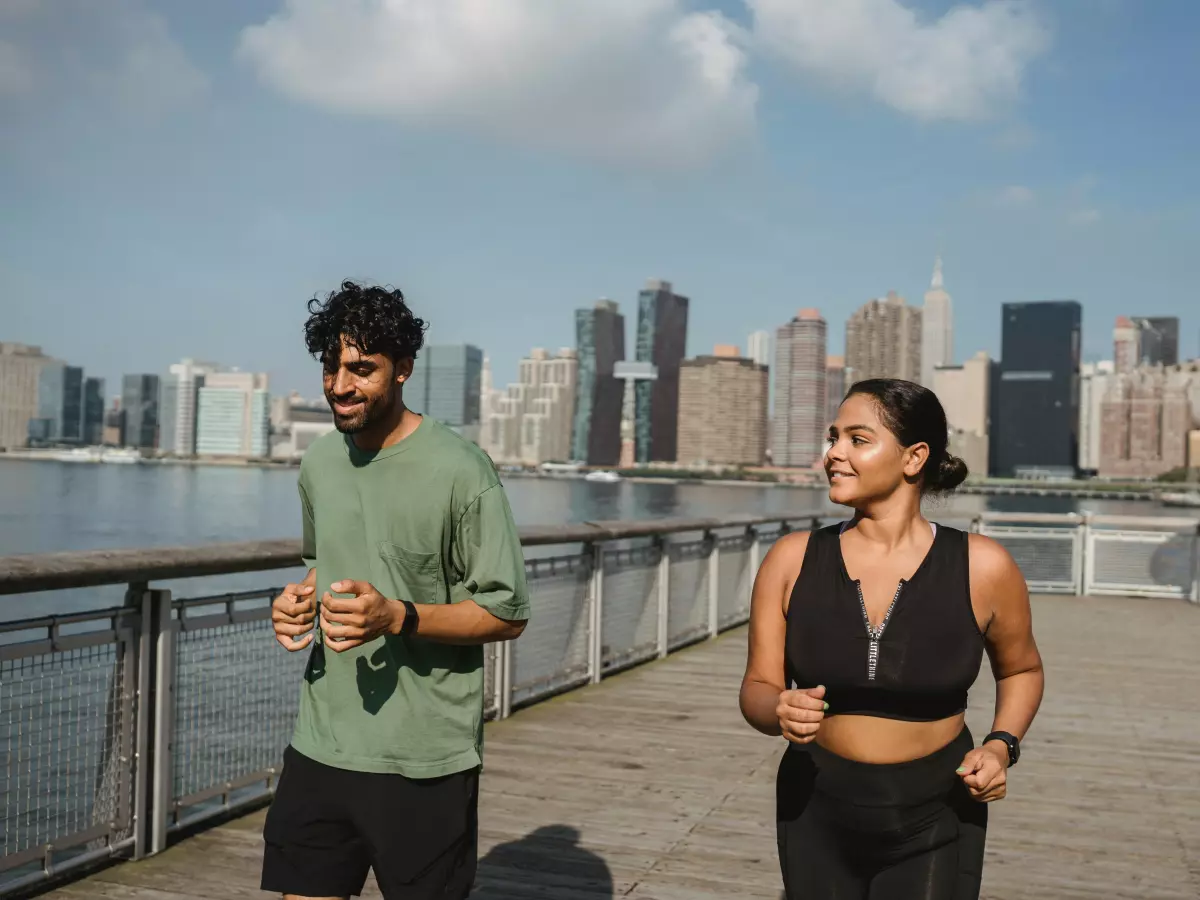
(835, 386)
(1167, 328)
(722, 410)
(759, 347)
(139, 401)
(937, 327)
(93, 411)
(964, 393)
(179, 404)
(20, 368)
(60, 405)
(234, 415)
(800, 391)
(1094, 381)
(1146, 418)
(1126, 344)
(883, 340)
(446, 384)
(1036, 419)
(661, 341)
(600, 345)
(531, 422)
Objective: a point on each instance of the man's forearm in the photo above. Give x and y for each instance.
(464, 622)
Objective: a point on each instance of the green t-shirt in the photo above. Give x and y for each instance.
(425, 520)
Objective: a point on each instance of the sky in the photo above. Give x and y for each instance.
(179, 179)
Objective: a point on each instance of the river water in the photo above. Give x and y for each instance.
(50, 506)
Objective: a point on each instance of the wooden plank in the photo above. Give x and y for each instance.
(650, 786)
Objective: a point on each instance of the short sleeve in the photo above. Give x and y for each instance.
(308, 543)
(487, 556)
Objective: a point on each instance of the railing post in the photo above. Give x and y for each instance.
(714, 582)
(596, 617)
(664, 596)
(1083, 554)
(1196, 565)
(165, 631)
(504, 688)
(138, 597)
(153, 767)
(755, 561)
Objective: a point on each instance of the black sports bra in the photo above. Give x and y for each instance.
(921, 661)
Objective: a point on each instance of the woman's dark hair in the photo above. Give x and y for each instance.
(373, 319)
(915, 416)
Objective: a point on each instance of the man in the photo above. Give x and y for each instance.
(411, 546)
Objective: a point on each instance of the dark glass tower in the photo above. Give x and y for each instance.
(1035, 419)
(661, 340)
(600, 343)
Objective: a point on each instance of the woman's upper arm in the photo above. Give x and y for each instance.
(997, 585)
(768, 623)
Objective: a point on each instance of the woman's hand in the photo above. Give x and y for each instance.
(801, 712)
(985, 772)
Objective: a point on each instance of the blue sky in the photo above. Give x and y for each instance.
(176, 179)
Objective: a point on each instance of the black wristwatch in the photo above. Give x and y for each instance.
(1010, 741)
(409, 625)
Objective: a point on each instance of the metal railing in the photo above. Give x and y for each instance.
(121, 726)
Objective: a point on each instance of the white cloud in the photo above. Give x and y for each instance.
(640, 82)
(16, 73)
(1015, 196)
(1088, 215)
(965, 65)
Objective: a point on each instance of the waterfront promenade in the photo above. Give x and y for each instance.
(649, 785)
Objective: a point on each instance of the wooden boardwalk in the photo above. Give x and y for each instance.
(651, 786)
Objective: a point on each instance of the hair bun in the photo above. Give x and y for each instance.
(951, 472)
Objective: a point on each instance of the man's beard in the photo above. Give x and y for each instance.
(370, 412)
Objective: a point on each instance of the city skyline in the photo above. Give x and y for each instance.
(194, 207)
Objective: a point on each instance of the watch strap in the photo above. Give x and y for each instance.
(1010, 741)
(409, 625)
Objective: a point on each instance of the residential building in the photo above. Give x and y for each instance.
(662, 342)
(1146, 420)
(531, 423)
(937, 327)
(295, 424)
(599, 345)
(1194, 449)
(1145, 341)
(178, 405)
(759, 348)
(964, 394)
(93, 411)
(1035, 419)
(1126, 345)
(883, 340)
(445, 385)
(20, 369)
(631, 373)
(234, 415)
(59, 417)
(799, 424)
(836, 385)
(139, 401)
(114, 426)
(722, 410)
(1094, 381)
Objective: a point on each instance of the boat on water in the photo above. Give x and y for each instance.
(120, 455)
(79, 455)
(1191, 500)
(603, 476)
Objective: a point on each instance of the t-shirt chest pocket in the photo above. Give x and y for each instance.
(404, 574)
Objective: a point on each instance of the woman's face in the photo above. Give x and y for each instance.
(864, 460)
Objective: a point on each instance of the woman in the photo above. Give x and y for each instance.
(864, 639)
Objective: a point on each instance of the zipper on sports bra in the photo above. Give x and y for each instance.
(874, 634)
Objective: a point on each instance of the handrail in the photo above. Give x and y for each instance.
(92, 568)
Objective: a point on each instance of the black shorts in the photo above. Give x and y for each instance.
(328, 827)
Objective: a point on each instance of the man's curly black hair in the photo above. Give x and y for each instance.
(373, 319)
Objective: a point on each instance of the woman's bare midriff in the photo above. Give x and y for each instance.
(872, 739)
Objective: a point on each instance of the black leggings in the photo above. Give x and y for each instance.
(856, 831)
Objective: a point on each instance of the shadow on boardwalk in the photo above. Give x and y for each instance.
(549, 858)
